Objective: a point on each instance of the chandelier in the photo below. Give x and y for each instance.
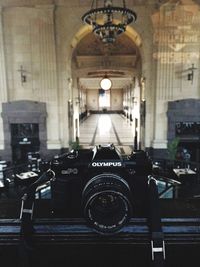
(108, 21)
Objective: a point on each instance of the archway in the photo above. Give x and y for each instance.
(121, 62)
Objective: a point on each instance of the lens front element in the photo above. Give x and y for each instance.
(106, 203)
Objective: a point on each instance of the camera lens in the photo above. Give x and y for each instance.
(106, 203)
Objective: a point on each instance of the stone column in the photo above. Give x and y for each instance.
(3, 83)
(48, 73)
(160, 98)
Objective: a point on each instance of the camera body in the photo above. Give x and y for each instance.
(101, 185)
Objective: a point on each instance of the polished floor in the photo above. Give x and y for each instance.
(100, 129)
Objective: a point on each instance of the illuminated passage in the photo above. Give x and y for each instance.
(106, 128)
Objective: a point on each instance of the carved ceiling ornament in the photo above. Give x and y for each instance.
(91, 45)
(92, 54)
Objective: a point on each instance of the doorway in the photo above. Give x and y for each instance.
(29, 128)
(24, 139)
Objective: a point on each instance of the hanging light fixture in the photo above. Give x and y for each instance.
(108, 21)
(105, 83)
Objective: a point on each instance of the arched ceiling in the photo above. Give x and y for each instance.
(93, 59)
(93, 45)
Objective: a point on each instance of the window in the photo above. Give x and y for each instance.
(104, 99)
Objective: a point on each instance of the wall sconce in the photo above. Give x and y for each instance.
(77, 100)
(69, 80)
(23, 75)
(143, 80)
(190, 75)
(134, 100)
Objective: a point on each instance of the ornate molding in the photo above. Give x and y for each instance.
(121, 61)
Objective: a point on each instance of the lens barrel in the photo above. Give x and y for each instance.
(106, 201)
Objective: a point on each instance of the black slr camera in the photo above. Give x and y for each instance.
(101, 185)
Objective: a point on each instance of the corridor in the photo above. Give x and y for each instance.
(100, 129)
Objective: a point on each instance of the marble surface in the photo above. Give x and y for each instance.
(107, 128)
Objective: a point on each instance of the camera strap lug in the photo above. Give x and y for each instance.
(158, 254)
(157, 245)
(157, 249)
